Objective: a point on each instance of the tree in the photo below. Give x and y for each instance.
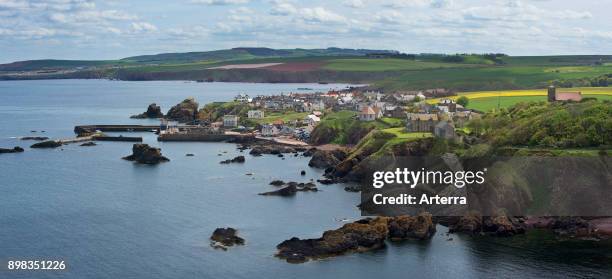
(463, 100)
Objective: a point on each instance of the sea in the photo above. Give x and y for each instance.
(110, 218)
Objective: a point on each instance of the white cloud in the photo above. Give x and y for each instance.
(143, 27)
(320, 14)
(283, 9)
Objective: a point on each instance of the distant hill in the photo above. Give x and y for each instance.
(384, 69)
(245, 53)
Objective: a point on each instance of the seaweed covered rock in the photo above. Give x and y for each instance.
(153, 111)
(225, 237)
(363, 235)
(15, 149)
(238, 159)
(291, 189)
(186, 111)
(145, 154)
(273, 149)
(47, 144)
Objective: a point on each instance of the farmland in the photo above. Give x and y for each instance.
(375, 65)
(385, 70)
(487, 100)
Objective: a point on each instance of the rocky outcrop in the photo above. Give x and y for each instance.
(153, 111)
(186, 111)
(15, 149)
(238, 159)
(363, 235)
(273, 149)
(325, 159)
(145, 154)
(225, 237)
(34, 138)
(309, 152)
(90, 143)
(291, 189)
(411, 227)
(499, 225)
(47, 144)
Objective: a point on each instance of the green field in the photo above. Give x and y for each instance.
(490, 103)
(270, 117)
(390, 73)
(400, 133)
(375, 65)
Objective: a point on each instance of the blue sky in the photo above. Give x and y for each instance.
(87, 29)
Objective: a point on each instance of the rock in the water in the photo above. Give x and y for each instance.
(238, 159)
(186, 111)
(153, 111)
(352, 188)
(303, 172)
(284, 192)
(47, 144)
(15, 149)
(291, 188)
(34, 138)
(225, 237)
(189, 154)
(145, 154)
(277, 183)
(90, 143)
(363, 235)
(258, 150)
(325, 159)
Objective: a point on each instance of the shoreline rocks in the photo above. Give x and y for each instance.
(15, 149)
(237, 159)
(145, 154)
(326, 159)
(499, 225)
(153, 111)
(360, 236)
(222, 238)
(47, 144)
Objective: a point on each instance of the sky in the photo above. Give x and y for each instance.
(111, 29)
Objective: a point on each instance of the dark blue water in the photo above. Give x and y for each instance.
(109, 218)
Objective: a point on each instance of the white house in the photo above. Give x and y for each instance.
(268, 130)
(312, 119)
(230, 121)
(256, 114)
(369, 114)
